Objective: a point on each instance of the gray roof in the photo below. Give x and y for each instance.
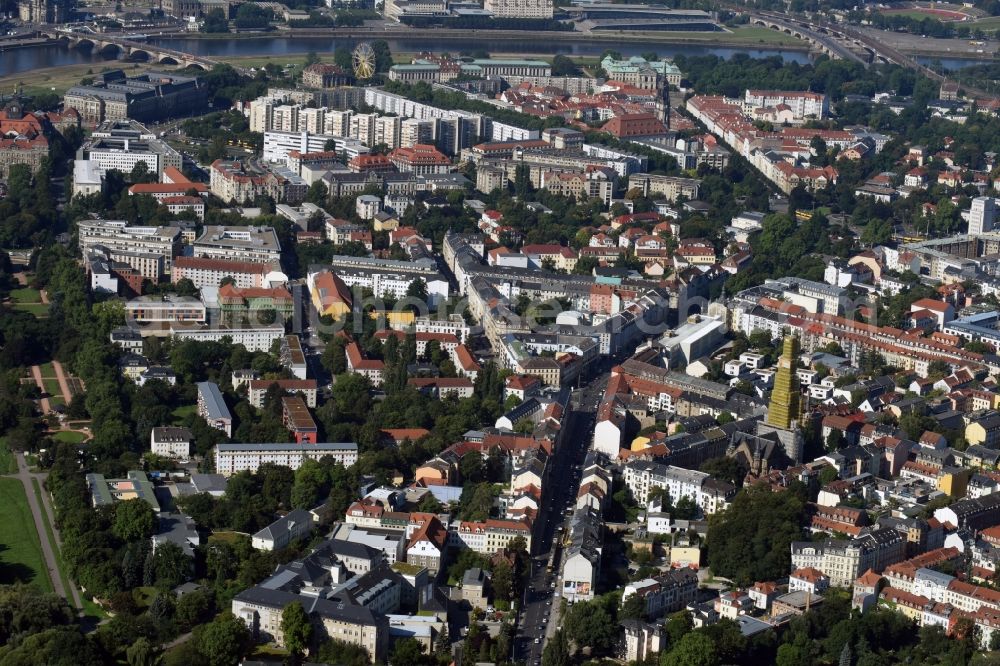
(179, 529)
(206, 483)
(335, 610)
(473, 576)
(215, 404)
(353, 549)
(172, 434)
(280, 526)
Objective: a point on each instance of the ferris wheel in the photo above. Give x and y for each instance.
(364, 61)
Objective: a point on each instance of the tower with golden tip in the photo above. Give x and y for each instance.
(785, 398)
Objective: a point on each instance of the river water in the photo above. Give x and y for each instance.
(35, 58)
(42, 57)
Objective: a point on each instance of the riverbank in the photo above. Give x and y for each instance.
(61, 79)
(739, 37)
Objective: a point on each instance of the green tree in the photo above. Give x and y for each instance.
(408, 652)
(223, 640)
(792, 655)
(215, 21)
(343, 59)
(296, 628)
(26, 611)
(317, 193)
(556, 652)
(677, 625)
(134, 520)
(724, 468)
(633, 608)
(589, 623)
(751, 540)
(442, 646)
(141, 653)
(343, 653)
(694, 649)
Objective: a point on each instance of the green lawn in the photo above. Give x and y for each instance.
(90, 609)
(758, 33)
(263, 652)
(143, 596)
(51, 385)
(7, 463)
(69, 437)
(37, 309)
(47, 369)
(918, 15)
(25, 295)
(988, 23)
(20, 549)
(50, 535)
(181, 413)
(228, 537)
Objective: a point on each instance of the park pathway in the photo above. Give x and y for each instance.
(51, 561)
(50, 512)
(36, 372)
(63, 384)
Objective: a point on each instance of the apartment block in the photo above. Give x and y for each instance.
(233, 458)
(149, 250)
(257, 390)
(256, 244)
(122, 144)
(212, 407)
(206, 272)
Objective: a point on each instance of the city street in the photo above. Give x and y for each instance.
(540, 608)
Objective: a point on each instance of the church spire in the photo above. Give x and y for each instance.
(784, 407)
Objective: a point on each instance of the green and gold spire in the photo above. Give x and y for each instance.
(784, 407)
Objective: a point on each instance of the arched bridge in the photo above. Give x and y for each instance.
(834, 45)
(848, 40)
(129, 49)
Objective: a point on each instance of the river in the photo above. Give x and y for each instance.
(42, 57)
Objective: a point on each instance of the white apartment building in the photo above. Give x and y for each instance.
(387, 276)
(148, 250)
(204, 272)
(363, 127)
(165, 308)
(285, 118)
(642, 477)
(414, 131)
(388, 131)
(233, 458)
(212, 407)
(277, 144)
(123, 149)
(532, 9)
(254, 339)
(802, 104)
(312, 121)
(255, 244)
(258, 390)
(168, 442)
(844, 561)
(338, 122)
(455, 325)
(488, 537)
(982, 215)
